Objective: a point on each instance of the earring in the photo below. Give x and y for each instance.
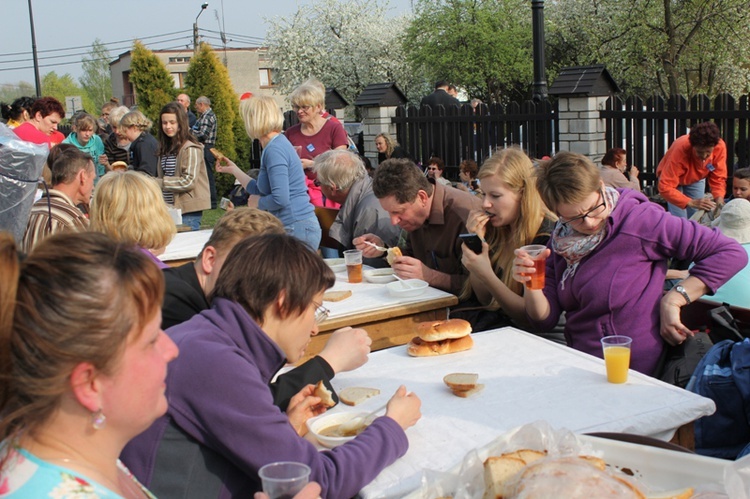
(98, 420)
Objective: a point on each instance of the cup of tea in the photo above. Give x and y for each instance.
(617, 357)
(536, 252)
(284, 479)
(353, 260)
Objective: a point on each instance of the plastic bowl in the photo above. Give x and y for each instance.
(336, 264)
(407, 288)
(316, 425)
(379, 276)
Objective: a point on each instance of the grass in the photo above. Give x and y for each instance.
(210, 217)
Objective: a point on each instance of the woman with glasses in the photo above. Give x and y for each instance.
(608, 259)
(314, 134)
(222, 425)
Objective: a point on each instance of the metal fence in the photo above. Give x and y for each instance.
(456, 133)
(646, 128)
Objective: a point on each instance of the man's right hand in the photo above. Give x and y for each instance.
(367, 250)
(702, 204)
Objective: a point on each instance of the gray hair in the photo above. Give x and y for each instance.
(340, 168)
(203, 100)
(116, 114)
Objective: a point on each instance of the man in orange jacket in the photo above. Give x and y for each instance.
(683, 170)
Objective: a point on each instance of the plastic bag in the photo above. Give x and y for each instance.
(21, 165)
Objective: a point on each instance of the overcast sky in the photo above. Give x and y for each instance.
(65, 29)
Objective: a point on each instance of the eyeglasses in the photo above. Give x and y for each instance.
(301, 108)
(321, 313)
(592, 213)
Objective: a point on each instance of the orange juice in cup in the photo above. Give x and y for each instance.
(536, 253)
(617, 357)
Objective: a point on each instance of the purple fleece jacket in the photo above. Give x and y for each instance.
(218, 394)
(617, 288)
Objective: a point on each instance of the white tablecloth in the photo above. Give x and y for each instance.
(185, 245)
(527, 379)
(368, 297)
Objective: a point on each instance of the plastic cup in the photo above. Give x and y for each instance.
(284, 479)
(536, 253)
(353, 260)
(617, 357)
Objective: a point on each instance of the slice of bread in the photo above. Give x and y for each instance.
(353, 395)
(499, 470)
(326, 396)
(392, 254)
(529, 456)
(217, 154)
(468, 393)
(336, 295)
(461, 382)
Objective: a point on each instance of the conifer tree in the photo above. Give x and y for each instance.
(154, 86)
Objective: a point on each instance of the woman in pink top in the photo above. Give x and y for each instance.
(314, 134)
(46, 114)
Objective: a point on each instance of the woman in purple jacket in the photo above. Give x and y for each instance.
(608, 260)
(222, 425)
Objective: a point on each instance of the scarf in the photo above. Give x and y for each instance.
(574, 246)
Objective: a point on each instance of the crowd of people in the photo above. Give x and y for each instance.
(96, 398)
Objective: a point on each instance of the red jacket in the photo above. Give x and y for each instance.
(680, 166)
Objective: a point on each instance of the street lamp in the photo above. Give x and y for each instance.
(539, 88)
(33, 51)
(195, 28)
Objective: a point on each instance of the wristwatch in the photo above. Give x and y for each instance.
(684, 294)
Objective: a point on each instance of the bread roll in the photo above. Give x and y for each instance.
(119, 166)
(326, 396)
(419, 348)
(392, 254)
(353, 395)
(443, 330)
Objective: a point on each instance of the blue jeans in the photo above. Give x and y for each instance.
(693, 191)
(307, 230)
(192, 220)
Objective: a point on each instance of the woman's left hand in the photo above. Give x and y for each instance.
(303, 406)
(672, 329)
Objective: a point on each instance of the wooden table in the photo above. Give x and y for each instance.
(389, 321)
(526, 379)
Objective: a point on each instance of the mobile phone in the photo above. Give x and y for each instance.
(224, 203)
(472, 241)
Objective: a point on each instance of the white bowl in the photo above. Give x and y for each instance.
(336, 264)
(379, 276)
(316, 425)
(407, 288)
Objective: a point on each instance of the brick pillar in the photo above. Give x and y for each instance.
(581, 128)
(376, 120)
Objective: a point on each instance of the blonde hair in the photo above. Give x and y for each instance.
(310, 93)
(240, 223)
(390, 144)
(567, 178)
(515, 169)
(136, 119)
(261, 116)
(129, 207)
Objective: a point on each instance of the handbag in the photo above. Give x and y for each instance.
(678, 362)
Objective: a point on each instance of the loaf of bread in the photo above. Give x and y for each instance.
(392, 254)
(353, 395)
(326, 396)
(419, 348)
(443, 330)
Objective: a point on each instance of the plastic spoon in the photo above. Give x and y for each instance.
(379, 248)
(402, 281)
(357, 422)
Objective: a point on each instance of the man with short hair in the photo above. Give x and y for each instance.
(432, 214)
(184, 99)
(440, 96)
(205, 131)
(72, 179)
(343, 179)
(188, 288)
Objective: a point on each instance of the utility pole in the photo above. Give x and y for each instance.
(195, 28)
(37, 80)
(539, 88)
